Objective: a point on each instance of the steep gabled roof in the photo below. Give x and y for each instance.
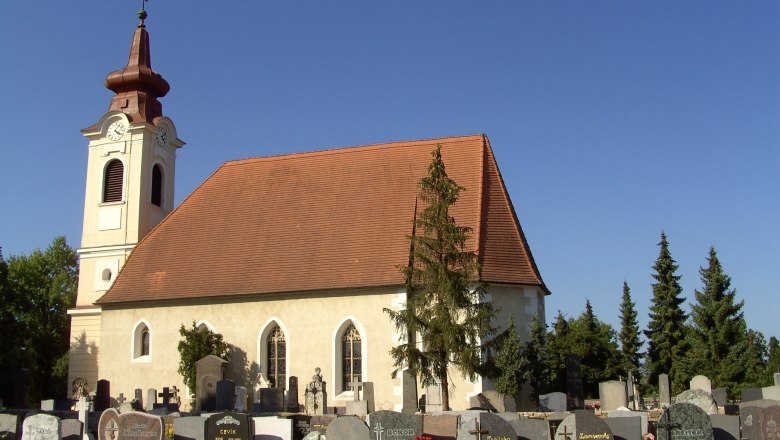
(333, 219)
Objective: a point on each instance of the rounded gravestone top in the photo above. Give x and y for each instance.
(684, 421)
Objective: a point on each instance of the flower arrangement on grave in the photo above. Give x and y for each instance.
(648, 436)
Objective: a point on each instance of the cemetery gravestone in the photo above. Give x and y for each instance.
(9, 426)
(102, 395)
(776, 377)
(316, 395)
(759, 419)
(613, 395)
(664, 390)
(138, 425)
(151, 398)
(725, 427)
(409, 384)
(701, 383)
(72, 429)
(241, 399)
(226, 395)
(209, 371)
(229, 426)
(625, 428)
(139, 397)
(493, 401)
(772, 392)
(684, 421)
(272, 428)
(189, 428)
(531, 429)
(643, 416)
(301, 425)
(21, 388)
(583, 425)
(495, 427)
(751, 394)
(700, 398)
(292, 394)
(271, 400)
(433, 398)
(721, 396)
(47, 405)
(574, 392)
(108, 425)
(444, 427)
(41, 427)
(553, 402)
(348, 427)
(320, 422)
(390, 425)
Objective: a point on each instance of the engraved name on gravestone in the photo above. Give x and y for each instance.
(41, 427)
(583, 425)
(229, 426)
(684, 421)
(138, 425)
(391, 425)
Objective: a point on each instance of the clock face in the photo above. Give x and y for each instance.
(161, 136)
(116, 130)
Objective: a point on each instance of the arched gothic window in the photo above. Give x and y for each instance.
(112, 181)
(157, 185)
(145, 342)
(351, 357)
(276, 358)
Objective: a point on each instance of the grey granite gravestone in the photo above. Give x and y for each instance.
(701, 383)
(467, 422)
(495, 427)
(108, 425)
(583, 425)
(721, 396)
(751, 394)
(574, 392)
(664, 390)
(138, 425)
(41, 427)
(443, 427)
(433, 398)
(409, 386)
(625, 428)
(47, 405)
(644, 417)
(189, 428)
(72, 429)
(613, 395)
(494, 401)
(102, 395)
(725, 427)
(772, 392)
(241, 399)
(390, 425)
(531, 429)
(758, 418)
(347, 427)
(151, 398)
(293, 404)
(272, 428)
(684, 421)
(229, 426)
(552, 402)
(700, 398)
(226, 395)
(9, 426)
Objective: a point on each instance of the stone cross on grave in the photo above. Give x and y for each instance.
(175, 395)
(565, 433)
(111, 429)
(121, 399)
(356, 386)
(477, 433)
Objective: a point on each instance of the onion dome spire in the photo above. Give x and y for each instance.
(137, 86)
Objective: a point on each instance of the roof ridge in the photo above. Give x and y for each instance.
(353, 148)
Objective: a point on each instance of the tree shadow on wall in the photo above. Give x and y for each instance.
(83, 362)
(241, 371)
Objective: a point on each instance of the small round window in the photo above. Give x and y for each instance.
(107, 275)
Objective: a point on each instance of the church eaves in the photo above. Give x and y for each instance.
(321, 221)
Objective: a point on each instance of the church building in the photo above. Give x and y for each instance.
(291, 258)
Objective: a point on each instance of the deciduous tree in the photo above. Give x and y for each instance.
(197, 343)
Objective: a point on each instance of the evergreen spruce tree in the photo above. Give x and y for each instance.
(511, 363)
(773, 358)
(718, 338)
(760, 367)
(534, 353)
(630, 342)
(666, 331)
(594, 342)
(559, 342)
(443, 305)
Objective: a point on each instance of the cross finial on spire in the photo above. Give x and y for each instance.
(142, 13)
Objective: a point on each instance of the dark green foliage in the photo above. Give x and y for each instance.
(36, 292)
(197, 343)
(442, 307)
(534, 352)
(759, 361)
(630, 343)
(773, 359)
(557, 349)
(511, 363)
(666, 331)
(718, 333)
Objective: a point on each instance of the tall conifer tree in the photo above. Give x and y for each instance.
(719, 345)
(444, 302)
(630, 342)
(666, 331)
(534, 352)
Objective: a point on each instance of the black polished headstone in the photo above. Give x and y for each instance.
(102, 395)
(495, 427)
(301, 425)
(574, 391)
(292, 394)
(229, 426)
(583, 425)
(684, 421)
(226, 395)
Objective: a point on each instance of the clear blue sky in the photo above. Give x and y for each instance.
(611, 121)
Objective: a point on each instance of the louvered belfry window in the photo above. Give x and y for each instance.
(112, 183)
(157, 184)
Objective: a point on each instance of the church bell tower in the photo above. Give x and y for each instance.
(130, 177)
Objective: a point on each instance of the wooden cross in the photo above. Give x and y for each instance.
(166, 395)
(121, 399)
(479, 431)
(565, 433)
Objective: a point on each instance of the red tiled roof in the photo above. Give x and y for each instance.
(324, 220)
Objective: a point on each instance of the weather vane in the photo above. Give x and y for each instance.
(142, 13)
